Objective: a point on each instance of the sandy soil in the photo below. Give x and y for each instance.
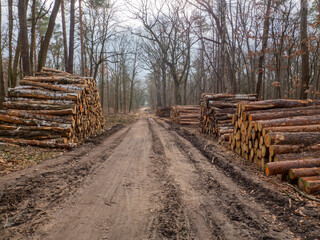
(151, 180)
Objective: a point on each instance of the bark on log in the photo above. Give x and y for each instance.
(277, 103)
(294, 121)
(304, 128)
(281, 149)
(282, 138)
(42, 94)
(296, 156)
(282, 114)
(312, 186)
(284, 167)
(49, 144)
(296, 173)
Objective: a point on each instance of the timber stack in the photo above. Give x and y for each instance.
(281, 137)
(185, 115)
(51, 109)
(217, 111)
(163, 112)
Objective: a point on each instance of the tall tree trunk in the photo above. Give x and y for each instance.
(304, 49)
(33, 38)
(22, 12)
(71, 38)
(64, 36)
(164, 82)
(224, 50)
(14, 77)
(264, 47)
(116, 94)
(10, 21)
(2, 93)
(102, 85)
(134, 71)
(81, 41)
(124, 87)
(45, 44)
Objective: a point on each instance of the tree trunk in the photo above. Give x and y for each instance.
(304, 49)
(81, 41)
(264, 47)
(64, 36)
(102, 85)
(2, 92)
(71, 38)
(16, 63)
(45, 44)
(10, 21)
(22, 12)
(33, 45)
(164, 82)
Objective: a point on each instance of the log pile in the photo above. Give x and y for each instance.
(217, 111)
(163, 112)
(52, 109)
(185, 115)
(281, 137)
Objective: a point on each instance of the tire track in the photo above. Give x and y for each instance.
(224, 205)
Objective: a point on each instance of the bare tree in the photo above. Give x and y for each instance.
(304, 49)
(45, 44)
(22, 12)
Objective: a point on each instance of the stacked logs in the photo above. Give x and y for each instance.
(282, 137)
(163, 112)
(52, 109)
(185, 115)
(217, 111)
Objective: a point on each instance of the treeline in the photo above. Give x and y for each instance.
(77, 36)
(268, 47)
(183, 48)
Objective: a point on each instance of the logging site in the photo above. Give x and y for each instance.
(159, 119)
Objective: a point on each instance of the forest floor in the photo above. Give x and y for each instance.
(151, 180)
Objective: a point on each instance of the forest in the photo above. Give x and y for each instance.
(169, 52)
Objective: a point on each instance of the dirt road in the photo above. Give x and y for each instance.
(149, 181)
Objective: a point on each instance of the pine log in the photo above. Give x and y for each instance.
(284, 166)
(43, 85)
(294, 121)
(56, 79)
(43, 94)
(33, 122)
(282, 138)
(283, 114)
(37, 106)
(296, 156)
(44, 143)
(312, 186)
(303, 128)
(28, 115)
(277, 103)
(296, 173)
(60, 130)
(302, 181)
(281, 149)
